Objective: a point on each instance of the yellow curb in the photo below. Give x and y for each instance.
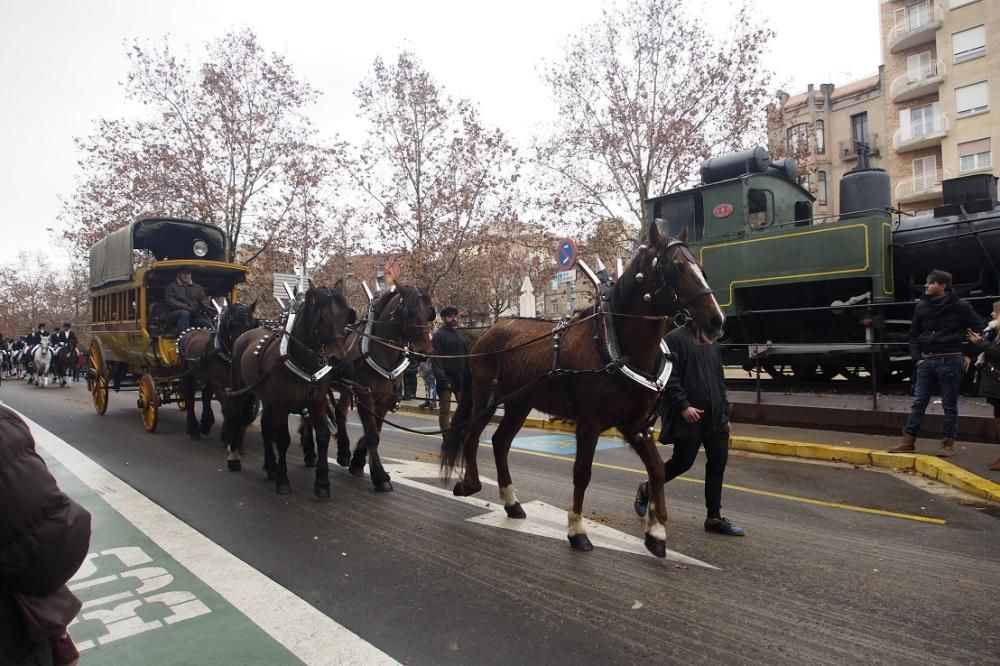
(926, 465)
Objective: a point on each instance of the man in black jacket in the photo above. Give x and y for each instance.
(44, 537)
(65, 336)
(695, 412)
(938, 335)
(448, 372)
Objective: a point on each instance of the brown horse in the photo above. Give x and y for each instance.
(290, 371)
(607, 369)
(399, 322)
(207, 357)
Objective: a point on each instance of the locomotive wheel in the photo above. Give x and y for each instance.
(98, 379)
(149, 403)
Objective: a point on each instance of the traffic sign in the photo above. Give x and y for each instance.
(566, 253)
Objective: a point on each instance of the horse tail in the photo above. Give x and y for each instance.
(453, 446)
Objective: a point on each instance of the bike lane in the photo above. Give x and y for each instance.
(156, 591)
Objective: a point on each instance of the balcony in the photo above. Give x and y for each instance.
(912, 190)
(915, 30)
(913, 137)
(924, 82)
(848, 151)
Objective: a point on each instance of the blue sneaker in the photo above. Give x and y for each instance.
(641, 503)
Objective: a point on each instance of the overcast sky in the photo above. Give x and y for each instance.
(62, 62)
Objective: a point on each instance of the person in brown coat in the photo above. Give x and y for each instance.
(187, 300)
(44, 537)
(988, 343)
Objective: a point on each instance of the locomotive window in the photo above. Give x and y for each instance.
(682, 213)
(760, 208)
(803, 213)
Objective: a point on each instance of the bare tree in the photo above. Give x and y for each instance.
(430, 170)
(32, 291)
(218, 144)
(643, 97)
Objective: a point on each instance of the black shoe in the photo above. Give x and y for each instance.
(424, 405)
(641, 502)
(723, 526)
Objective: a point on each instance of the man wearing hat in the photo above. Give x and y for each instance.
(65, 336)
(187, 300)
(448, 372)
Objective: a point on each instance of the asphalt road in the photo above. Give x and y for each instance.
(819, 578)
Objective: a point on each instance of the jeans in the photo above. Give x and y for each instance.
(185, 320)
(947, 372)
(716, 453)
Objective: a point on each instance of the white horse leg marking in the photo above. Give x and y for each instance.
(575, 523)
(507, 495)
(654, 527)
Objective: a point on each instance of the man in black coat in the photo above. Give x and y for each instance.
(44, 537)
(448, 372)
(695, 413)
(938, 335)
(65, 336)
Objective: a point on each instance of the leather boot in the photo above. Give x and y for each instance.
(947, 449)
(907, 445)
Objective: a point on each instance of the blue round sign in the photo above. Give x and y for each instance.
(566, 254)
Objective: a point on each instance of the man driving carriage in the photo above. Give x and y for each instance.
(187, 301)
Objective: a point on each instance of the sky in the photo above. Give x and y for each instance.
(62, 63)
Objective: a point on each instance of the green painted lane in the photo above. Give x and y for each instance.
(140, 606)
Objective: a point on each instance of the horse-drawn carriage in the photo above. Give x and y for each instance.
(134, 337)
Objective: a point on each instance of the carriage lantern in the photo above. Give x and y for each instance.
(200, 248)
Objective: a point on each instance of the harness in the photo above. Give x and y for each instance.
(312, 378)
(404, 358)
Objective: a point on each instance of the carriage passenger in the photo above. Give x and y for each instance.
(187, 300)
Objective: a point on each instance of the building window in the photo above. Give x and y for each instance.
(925, 174)
(972, 99)
(920, 66)
(974, 155)
(798, 139)
(859, 127)
(919, 121)
(821, 188)
(955, 4)
(820, 142)
(913, 16)
(969, 44)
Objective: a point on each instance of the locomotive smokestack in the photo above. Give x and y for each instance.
(864, 191)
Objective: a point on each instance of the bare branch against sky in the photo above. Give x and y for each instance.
(62, 63)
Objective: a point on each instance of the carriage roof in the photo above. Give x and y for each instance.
(112, 259)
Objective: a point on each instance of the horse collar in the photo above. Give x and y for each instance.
(387, 373)
(607, 334)
(312, 378)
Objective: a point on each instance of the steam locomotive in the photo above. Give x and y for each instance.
(811, 297)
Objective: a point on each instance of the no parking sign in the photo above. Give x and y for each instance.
(566, 254)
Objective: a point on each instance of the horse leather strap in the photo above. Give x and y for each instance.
(366, 337)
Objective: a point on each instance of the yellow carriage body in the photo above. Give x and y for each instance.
(133, 347)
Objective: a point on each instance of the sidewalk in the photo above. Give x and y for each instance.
(968, 470)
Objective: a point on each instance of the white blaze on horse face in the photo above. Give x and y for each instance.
(507, 495)
(575, 524)
(704, 285)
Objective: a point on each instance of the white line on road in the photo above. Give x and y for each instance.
(303, 630)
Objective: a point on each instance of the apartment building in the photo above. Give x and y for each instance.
(936, 109)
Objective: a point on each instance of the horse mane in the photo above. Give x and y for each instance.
(378, 305)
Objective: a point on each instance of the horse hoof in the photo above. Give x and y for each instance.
(234, 465)
(322, 492)
(656, 546)
(206, 429)
(383, 486)
(283, 488)
(581, 543)
(309, 461)
(343, 458)
(515, 511)
(357, 471)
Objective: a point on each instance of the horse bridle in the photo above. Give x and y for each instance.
(682, 316)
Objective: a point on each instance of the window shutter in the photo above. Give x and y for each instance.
(926, 65)
(973, 147)
(968, 40)
(970, 98)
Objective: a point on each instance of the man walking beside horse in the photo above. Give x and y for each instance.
(448, 372)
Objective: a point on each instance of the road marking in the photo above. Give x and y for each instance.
(543, 519)
(742, 489)
(303, 630)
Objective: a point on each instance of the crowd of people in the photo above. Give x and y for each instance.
(30, 342)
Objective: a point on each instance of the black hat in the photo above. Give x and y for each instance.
(66, 324)
(942, 278)
(42, 325)
(449, 310)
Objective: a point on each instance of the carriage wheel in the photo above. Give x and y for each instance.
(149, 403)
(98, 382)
